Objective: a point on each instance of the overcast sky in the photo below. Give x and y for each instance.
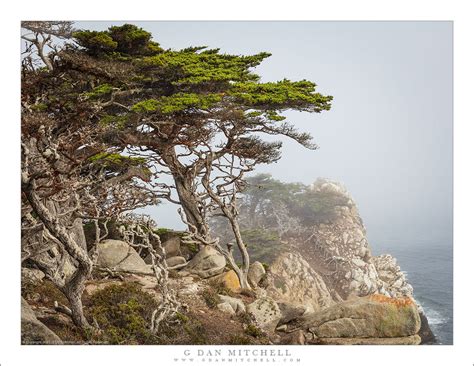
(388, 136)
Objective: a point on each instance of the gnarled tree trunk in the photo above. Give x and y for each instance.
(184, 180)
(73, 286)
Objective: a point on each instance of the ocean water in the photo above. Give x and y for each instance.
(429, 268)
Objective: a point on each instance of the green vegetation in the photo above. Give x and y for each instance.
(114, 162)
(124, 313)
(113, 158)
(176, 103)
(149, 105)
(254, 331)
(189, 330)
(117, 41)
(161, 231)
(196, 332)
(39, 107)
(273, 212)
(197, 65)
(182, 318)
(95, 42)
(100, 91)
(266, 199)
(245, 318)
(282, 94)
(262, 245)
(193, 248)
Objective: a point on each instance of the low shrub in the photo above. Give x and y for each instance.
(253, 331)
(124, 314)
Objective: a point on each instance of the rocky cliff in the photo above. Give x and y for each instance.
(338, 251)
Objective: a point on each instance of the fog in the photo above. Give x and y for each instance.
(388, 136)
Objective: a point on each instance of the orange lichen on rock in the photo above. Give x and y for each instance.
(230, 280)
(398, 301)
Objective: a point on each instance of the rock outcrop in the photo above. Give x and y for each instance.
(31, 275)
(256, 273)
(229, 280)
(375, 316)
(118, 255)
(171, 243)
(324, 288)
(226, 308)
(266, 313)
(290, 312)
(206, 263)
(32, 330)
(236, 305)
(426, 334)
(175, 261)
(172, 246)
(338, 250)
(394, 282)
(291, 279)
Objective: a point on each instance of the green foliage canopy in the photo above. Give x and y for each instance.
(186, 94)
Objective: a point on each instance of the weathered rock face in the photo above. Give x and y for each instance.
(294, 338)
(175, 261)
(331, 262)
(229, 279)
(31, 275)
(425, 333)
(394, 281)
(290, 312)
(226, 308)
(172, 246)
(375, 316)
(32, 330)
(118, 255)
(237, 305)
(339, 251)
(266, 313)
(206, 263)
(171, 243)
(291, 279)
(256, 273)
